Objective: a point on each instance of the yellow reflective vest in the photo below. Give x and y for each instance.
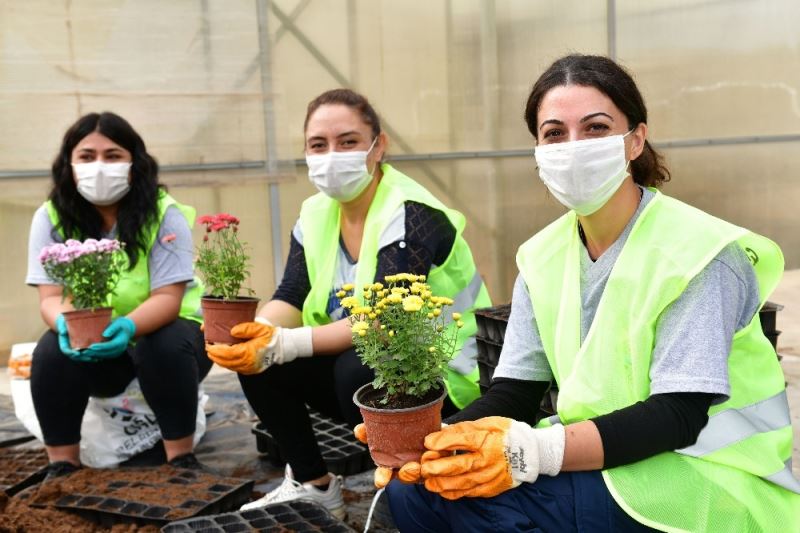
(134, 285)
(456, 278)
(736, 476)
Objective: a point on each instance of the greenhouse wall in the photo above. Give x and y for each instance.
(218, 90)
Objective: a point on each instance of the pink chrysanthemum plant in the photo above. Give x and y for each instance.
(88, 271)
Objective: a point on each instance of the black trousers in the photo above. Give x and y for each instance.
(279, 396)
(326, 383)
(169, 363)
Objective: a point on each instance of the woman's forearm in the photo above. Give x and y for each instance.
(332, 339)
(583, 449)
(51, 304)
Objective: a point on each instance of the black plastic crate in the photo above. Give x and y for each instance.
(488, 357)
(20, 468)
(106, 504)
(768, 315)
(492, 322)
(342, 452)
(773, 338)
(298, 515)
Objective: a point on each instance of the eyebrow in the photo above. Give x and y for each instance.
(321, 138)
(107, 150)
(584, 119)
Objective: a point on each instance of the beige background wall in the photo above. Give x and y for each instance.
(446, 76)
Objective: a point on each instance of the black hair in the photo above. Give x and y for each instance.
(614, 81)
(78, 218)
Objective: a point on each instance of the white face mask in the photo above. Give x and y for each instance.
(583, 175)
(340, 175)
(102, 183)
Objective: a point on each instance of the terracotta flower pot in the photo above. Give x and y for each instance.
(86, 326)
(397, 436)
(219, 316)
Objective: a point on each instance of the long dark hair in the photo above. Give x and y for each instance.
(612, 80)
(78, 218)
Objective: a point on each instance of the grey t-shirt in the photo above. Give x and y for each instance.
(168, 262)
(693, 335)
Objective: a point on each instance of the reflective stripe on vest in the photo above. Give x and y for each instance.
(456, 278)
(670, 243)
(733, 425)
(134, 285)
(465, 360)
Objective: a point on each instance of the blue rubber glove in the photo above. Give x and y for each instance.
(63, 343)
(119, 334)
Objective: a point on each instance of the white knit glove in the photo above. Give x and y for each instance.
(286, 345)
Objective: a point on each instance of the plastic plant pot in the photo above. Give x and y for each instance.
(86, 326)
(396, 436)
(219, 316)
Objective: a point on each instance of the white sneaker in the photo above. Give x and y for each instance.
(290, 490)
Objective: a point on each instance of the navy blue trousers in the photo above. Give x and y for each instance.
(570, 501)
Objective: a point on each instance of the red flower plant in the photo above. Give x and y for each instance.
(222, 260)
(219, 222)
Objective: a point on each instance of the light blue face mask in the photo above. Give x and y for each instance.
(584, 174)
(341, 175)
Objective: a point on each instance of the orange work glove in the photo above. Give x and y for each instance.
(486, 457)
(408, 473)
(266, 345)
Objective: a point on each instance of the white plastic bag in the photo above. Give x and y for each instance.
(113, 429)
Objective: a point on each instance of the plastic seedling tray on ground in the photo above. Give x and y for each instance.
(298, 515)
(492, 322)
(21, 468)
(144, 495)
(342, 452)
(12, 438)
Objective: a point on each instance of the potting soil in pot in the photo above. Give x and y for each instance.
(143, 495)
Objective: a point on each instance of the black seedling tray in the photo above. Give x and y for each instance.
(12, 438)
(342, 452)
(107, 508)
(21, 468)
(298, 515)
(492, 322)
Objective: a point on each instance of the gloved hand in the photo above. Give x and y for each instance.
(486, 457)
(408, 473)
(267, 345)
(119, 334)
(63, 342)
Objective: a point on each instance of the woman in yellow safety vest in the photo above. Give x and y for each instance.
(368, 220)
(672, 410)
(105, 185)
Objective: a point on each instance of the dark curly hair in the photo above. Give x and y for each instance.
(612, 80)
(78, 218)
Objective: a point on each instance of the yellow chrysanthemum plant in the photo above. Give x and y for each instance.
(403, 333)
